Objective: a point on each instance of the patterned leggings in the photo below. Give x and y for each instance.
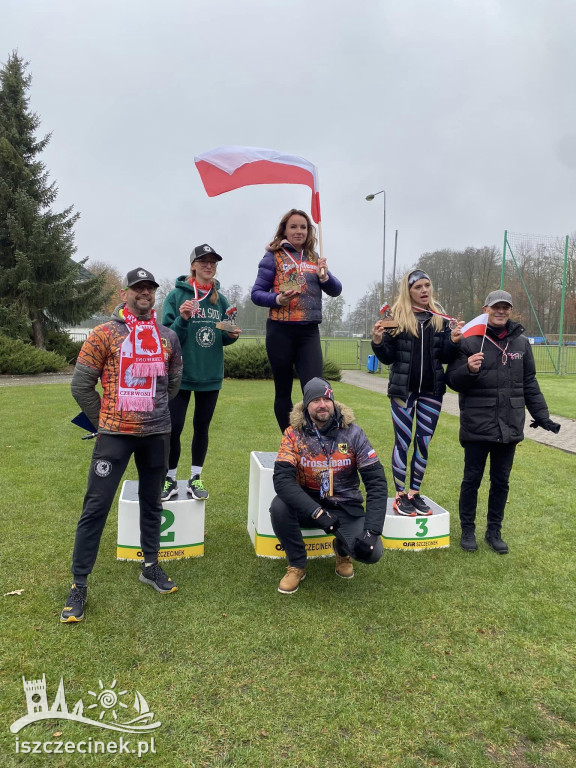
(427, 409)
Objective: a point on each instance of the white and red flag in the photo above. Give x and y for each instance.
(476, 327)
(225, 168)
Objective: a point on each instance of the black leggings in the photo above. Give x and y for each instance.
(204, 406)
(289, 345)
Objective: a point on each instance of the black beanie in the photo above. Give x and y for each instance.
(317, 388)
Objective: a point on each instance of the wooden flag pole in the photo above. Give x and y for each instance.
(323, 270)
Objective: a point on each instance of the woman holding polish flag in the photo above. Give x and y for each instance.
(422, 339)
(290, 282)
(291, 276)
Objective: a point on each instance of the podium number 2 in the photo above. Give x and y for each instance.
(423, 527)
(168, 522)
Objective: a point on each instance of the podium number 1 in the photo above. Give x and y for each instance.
(168, 522)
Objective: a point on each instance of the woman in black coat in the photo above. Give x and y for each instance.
(415, 350)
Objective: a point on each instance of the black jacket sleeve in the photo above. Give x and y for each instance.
(289, 489)
(533, 396)
(386, 350)
(458, 375)
(374, 481)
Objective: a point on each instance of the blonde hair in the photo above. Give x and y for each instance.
(213, 292)
(403, 313)
(280, 235)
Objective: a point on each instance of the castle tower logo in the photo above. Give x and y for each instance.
(109, 708)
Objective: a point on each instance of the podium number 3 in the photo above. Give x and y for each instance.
(423, 527)
(168, 522)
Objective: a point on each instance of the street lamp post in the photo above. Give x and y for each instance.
(371, 197)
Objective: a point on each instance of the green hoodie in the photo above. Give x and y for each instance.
(202, 343)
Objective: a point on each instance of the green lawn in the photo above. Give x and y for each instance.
(440, 658)
(560, 394)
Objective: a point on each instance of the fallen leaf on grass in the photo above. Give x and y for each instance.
(263, 733)
(58, 733)
(14, 592)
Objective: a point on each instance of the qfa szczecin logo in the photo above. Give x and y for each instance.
(105, 708)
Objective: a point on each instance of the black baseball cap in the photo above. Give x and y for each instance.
(139, 275)
(204, 250)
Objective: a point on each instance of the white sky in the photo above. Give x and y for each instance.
(464, 111)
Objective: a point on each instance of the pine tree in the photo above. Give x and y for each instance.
(41, 287)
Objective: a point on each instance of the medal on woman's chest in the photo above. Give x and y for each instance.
(296, 277)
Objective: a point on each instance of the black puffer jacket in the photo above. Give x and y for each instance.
(398, 353)
(492, 401)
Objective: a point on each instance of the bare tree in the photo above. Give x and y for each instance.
(113, 282)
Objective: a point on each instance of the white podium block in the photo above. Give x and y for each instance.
(318, 543)
(415, 534)
(181, 532)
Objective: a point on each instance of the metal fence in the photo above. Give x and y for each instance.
(353, 354)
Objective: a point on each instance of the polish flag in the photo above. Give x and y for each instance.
(384, 308)
(476, 327)
(225, 168)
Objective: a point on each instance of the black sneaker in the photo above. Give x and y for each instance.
(169, 489)
(494, 541)
(155, 576)
(468, 541)
(419, 505)
(196, 489)
(402, 506)
(73, 611)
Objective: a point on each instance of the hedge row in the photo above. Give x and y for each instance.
(250, 361)
(17, 358)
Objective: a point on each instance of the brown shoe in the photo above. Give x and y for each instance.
(291, 581)
(344, 567)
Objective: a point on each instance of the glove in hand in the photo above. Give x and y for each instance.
(548, 424)
(326, 521)
(364, 545)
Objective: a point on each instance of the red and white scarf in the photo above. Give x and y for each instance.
(141, 361)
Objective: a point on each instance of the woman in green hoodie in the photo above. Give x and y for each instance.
(192, 310)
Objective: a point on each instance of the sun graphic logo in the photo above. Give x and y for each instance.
(108, 700)
(114, 713)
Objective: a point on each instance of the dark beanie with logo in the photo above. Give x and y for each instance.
(317, 388)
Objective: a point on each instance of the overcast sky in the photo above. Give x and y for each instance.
(464, 111)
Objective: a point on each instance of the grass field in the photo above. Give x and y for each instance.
(441, 658)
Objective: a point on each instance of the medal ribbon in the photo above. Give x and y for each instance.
(299, 267)
(328, 455)
(504, 356)
(452, 321)
(197, 288)
(432, 312)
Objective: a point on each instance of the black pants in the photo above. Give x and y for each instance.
(287, 524)
(109, 461)
(204, 407)
(289, 345)
(501, 460)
